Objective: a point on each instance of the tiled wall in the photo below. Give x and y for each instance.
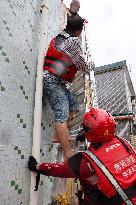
(19, 40)
(111, 92)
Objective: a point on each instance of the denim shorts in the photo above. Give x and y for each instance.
(60, 98)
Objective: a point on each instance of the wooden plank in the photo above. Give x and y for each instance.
(127, 117)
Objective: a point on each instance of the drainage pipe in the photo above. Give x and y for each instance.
(34, 195)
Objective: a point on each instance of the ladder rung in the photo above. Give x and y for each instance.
(78, 86)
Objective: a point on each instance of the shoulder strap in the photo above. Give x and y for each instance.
(75, 167)
(110, 177)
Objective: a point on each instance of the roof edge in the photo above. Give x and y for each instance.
(110, 67)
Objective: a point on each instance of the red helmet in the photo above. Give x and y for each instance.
(99, 126)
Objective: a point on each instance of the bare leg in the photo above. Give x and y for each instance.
(62, 132)
(71, 116)
(55, 137)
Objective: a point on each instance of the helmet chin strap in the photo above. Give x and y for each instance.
(96, 146)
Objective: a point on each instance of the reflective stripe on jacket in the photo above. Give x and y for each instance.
(121, 165)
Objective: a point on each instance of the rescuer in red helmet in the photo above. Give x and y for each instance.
(107, 170)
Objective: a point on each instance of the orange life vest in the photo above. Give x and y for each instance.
(58, 63)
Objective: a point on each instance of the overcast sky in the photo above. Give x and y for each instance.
(112, 31)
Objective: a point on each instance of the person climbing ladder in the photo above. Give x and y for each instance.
(62, 61)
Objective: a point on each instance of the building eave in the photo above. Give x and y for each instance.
(110, 67)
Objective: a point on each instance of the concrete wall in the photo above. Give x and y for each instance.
(19, 41)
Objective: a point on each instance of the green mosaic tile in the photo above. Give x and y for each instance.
(18, 115)
(51, 179)
(24, 125)
(16, 187)
(19, 151)
(21, 87)
(12, 183)
(22, 157)
(1, 47)
(4, 54)
(16, 148)
(20, 191)
(7, 60)
(21, 120)
(2, 88)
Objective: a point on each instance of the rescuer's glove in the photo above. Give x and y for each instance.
(81, 136)
(32, 167)
(32, 164)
